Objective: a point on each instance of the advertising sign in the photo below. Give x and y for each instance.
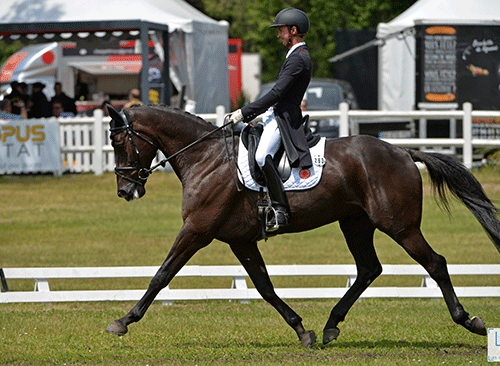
(29, 146)
(493, 345)
(457, 64)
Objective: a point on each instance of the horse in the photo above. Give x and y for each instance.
(367, 184)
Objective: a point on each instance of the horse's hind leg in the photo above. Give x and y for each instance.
(417, 247)
(358, 232)
(250, 257)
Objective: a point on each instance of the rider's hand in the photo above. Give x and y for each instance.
(236, 116)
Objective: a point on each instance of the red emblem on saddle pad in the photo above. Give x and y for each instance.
(304, 174)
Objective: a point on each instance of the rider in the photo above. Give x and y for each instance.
(283, 117)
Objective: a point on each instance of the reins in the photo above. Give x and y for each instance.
(229, 158)
(144, 173)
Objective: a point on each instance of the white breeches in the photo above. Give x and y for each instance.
(270, 140)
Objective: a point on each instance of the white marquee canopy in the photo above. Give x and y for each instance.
(197, 44)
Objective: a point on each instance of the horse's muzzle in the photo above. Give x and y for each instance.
(131, 191)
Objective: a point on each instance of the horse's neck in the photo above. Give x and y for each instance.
(175, 132)
(179, 136)
(198, 160)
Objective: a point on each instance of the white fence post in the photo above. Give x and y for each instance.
(467, 133)
(344, 120)
(97, 156)
(220, 111)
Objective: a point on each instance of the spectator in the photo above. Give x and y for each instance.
(81, 89)
(303, 105)
(67, 102)
(134, 98)
(6, 110)
(14, 92)
(39, 105)
(18, 96)
(58, 110)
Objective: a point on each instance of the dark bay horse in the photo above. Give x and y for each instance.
(367, 184)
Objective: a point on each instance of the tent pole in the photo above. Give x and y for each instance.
(167, 92)
(145, 64)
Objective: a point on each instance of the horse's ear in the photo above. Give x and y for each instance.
(117, 120)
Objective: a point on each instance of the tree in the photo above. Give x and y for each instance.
(250, 21)
(198, 4)
(6, 50)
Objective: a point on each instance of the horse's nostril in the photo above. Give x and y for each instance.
(122, 193)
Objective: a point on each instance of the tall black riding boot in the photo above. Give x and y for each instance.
(277, 196)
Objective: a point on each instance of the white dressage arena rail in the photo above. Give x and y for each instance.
(239, 289)
(83, 151)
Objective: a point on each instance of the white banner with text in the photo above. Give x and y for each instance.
(29, 146)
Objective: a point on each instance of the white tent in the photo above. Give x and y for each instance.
(198, 44)
(396, 89)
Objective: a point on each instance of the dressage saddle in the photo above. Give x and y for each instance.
(250, 136)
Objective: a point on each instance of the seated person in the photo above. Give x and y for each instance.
(6, 110)
(58, 110)
(134, 98)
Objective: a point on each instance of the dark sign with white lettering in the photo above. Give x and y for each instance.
(457, 64)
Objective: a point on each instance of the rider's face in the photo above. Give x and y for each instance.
(284, 34)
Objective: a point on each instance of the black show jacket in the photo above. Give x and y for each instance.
(286, 96)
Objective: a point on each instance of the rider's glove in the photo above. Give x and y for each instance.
(236, 116)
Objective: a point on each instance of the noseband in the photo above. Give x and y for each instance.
(142, 173)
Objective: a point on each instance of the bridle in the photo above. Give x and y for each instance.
(144, 173)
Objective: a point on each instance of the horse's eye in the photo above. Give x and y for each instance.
(117, 141)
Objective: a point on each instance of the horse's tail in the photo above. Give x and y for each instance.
(445, 171)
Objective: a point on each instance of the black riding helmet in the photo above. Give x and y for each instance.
(290, 17)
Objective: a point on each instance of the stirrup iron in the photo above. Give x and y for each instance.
(273, 213)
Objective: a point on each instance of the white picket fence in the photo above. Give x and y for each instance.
(83, 151)
(239, 289)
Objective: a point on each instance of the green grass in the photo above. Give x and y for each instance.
(77, 220)
(385, 332)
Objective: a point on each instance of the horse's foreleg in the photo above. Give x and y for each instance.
(435, 264)
(185, 246)
(251, 259)
(358, 232)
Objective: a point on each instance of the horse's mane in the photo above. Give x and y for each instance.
(182, 113)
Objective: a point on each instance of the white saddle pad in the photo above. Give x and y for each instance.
(300, 179)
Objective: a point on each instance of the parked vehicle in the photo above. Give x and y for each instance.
(324, 95)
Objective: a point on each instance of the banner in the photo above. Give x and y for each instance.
(29, 146)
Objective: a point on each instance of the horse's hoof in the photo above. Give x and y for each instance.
(308, 338)
(117, 328)
(330, 335)
(476, 325)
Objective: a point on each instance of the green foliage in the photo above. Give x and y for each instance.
(492, 156)
(6, 50)
(250, 21)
